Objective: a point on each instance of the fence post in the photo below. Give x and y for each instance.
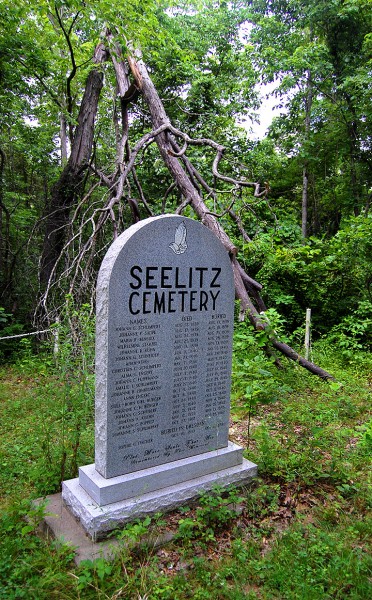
(307, 333)
(56, 338)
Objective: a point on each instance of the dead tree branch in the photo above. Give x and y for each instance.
(133, 79)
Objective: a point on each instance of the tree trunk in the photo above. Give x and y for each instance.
(305, 189)
(305, 172)
(66, 188)
(63, 139)
(4, 233)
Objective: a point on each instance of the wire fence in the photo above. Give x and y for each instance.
(21, 335)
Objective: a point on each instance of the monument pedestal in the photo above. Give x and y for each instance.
(102, 505)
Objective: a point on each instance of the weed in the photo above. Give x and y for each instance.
(62, 435)
(365, 436)
(29, 567)
(254, 381)
(262, 500)
(216, 510)
(313, 563)
(92, 573)
(134, 532)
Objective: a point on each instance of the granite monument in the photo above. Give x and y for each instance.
(165, 308)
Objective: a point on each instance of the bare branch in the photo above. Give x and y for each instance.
(185, 202)
(248, 279)
(219, 154)
(73, 71)
(140, 191)
(226, 211)
(169, 191)
(239, 224)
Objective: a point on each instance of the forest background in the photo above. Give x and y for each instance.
(305, 238)
(84, 154)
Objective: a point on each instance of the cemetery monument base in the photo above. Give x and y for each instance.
(165, 313)
(185, 483)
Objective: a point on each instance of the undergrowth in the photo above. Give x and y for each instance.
(301, 531)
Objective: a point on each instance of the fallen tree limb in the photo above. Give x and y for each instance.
(303, 362)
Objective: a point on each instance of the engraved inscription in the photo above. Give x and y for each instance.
(169, 338)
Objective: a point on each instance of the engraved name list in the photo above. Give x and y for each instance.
(168, 335)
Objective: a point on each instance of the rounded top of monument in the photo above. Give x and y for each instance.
(167, 238)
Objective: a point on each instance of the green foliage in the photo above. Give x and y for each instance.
(332, 277)
(72, 413)
(365, 433)
(311, 563)
(355, 331)
(29, 566)
(301, 530)
(216, 510)
(311, 430)
(93, 573)
(262, 500)
(319, 51)
(205, 61)
(8, 329)
(208, 79)
(3, 316)
(197, 61)
(254, 380)
(134, 532)
(55, 445)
